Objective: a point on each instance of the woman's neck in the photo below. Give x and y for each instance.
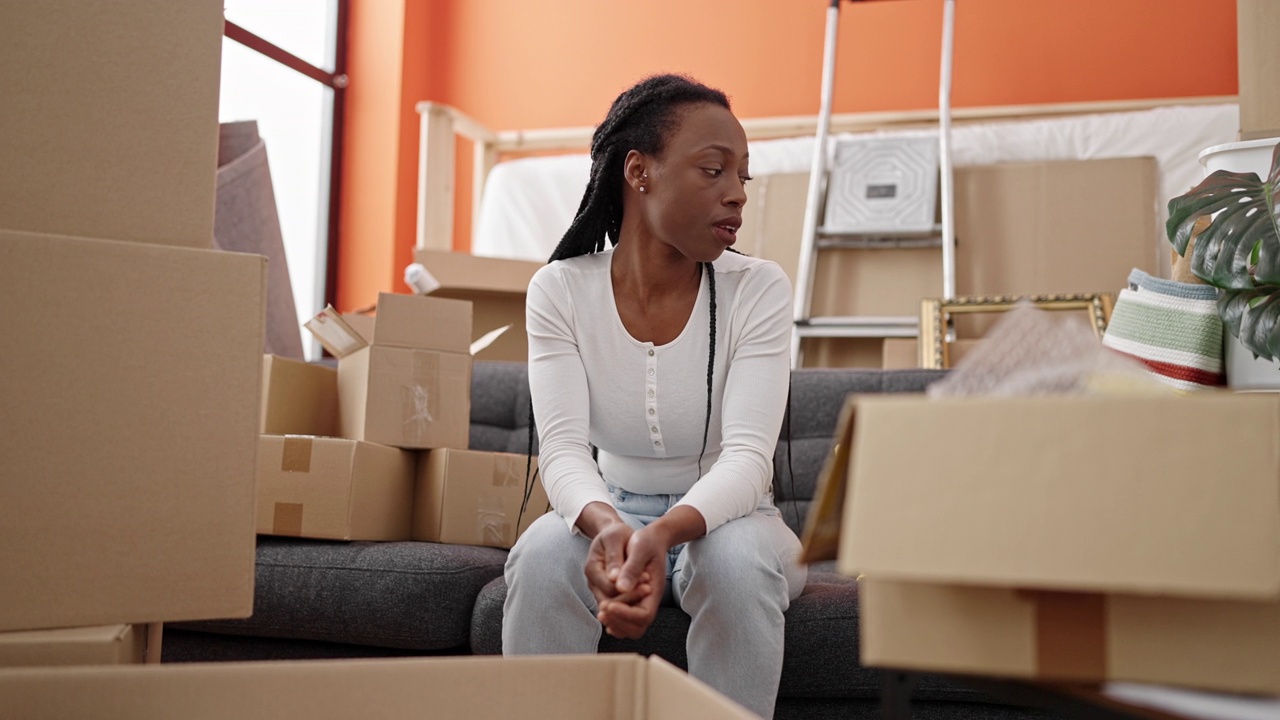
(651, 270)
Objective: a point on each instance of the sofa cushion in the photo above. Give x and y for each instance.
(410, 595)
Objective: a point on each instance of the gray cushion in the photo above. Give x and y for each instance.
(399, 595)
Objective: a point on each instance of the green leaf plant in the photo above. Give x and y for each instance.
(1238, 252)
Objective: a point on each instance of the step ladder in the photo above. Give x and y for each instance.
(816, 237)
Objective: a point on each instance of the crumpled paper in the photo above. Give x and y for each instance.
(1030, 351)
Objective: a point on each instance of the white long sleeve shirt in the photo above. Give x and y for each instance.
(643, 405)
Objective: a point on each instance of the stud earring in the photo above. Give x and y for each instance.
(642, 188)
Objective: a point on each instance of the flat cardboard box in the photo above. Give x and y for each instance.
(298, 398)
(110, 122)
(1065, 538)
(333, 489)
(1258, 25)
(132, 395)
(99, 645)
(496, 289)
(410, 386)
(469, 497)
(564, 687)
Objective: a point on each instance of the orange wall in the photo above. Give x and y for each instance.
(548, 63)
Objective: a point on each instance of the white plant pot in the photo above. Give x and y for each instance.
(1244, 371)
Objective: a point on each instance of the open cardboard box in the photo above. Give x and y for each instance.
(566, 687)
(496, 289)
(298, 398)
(409, 386)
(1063, 538)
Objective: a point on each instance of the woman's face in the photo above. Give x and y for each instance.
(695, 191)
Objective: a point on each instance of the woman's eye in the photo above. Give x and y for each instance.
(745, 179)
(713, 172)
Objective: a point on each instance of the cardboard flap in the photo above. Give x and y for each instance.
(424, 323)
(821, 538)
(1111, 494)
(339, 338)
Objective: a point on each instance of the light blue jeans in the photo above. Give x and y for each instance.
(735, 583)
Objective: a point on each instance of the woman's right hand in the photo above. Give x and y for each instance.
(605, 558)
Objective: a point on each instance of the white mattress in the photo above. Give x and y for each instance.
(529, 203)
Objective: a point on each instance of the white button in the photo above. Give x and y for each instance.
(657, 443)
(651, 352)
(653, 429)
(651, 411)
(650, 371)
(650, 393)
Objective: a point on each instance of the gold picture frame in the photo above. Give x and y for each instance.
(935, 316)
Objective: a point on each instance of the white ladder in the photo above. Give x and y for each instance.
(815, 237)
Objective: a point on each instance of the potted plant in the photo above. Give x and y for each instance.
(1238, 251)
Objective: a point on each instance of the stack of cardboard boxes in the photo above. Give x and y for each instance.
(378, 449)
(132, 350)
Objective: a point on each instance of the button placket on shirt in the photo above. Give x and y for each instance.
(651, 403)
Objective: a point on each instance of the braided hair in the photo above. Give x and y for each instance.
(641, 118)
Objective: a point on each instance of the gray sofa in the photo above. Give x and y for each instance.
(317, 599)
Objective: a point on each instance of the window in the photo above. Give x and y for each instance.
(281, 66)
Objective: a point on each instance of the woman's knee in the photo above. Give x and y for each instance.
(746, 550)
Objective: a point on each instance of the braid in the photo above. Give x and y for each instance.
(711, 359)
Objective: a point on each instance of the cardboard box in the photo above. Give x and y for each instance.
(496, 289)
(132, 399)
(99, 645)
(298, 398)
(411, 386)
(468, 497)
(1066, 538)
(1258, 25)
(334, 489)
(110, 122)
(565, 687)
(1020, 230)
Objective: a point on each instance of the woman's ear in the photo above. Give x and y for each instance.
(635, 172)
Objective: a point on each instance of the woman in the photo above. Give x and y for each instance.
(666, 359)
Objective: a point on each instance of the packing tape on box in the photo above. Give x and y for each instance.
(297, 454)
(492, 522)
(287, 519)
(418, 401)
(1071, 634)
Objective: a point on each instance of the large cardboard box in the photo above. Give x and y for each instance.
(565, 687)
(298, 398)
(468, 497)
(130, 391)
(1258, 25)
(410, 387)
(335, 489)
(110, 122)
(496, 289)
(1066, 538)
(1069, 226)
(99, 645)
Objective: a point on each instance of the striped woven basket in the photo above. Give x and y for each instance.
(1172, 327)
